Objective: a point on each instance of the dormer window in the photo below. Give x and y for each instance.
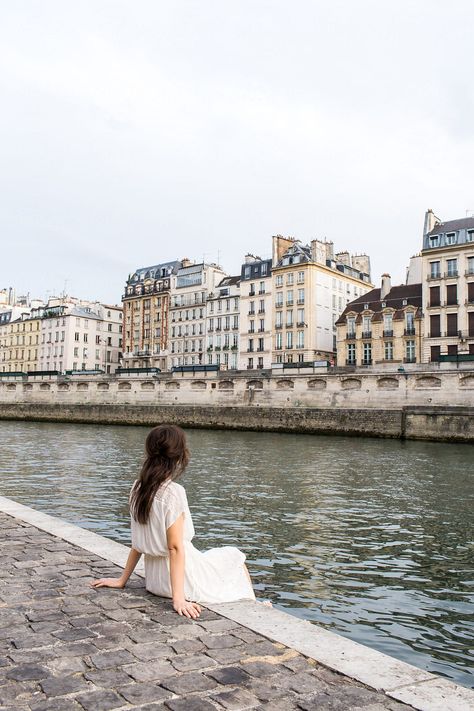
(404, 302)
(451, 238)
(470, 236)
(384, 304)
(366, 306)
(434, 240)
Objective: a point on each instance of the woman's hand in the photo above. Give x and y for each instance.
(108, 583)
(187, 609)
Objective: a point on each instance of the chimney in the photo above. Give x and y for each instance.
(386, 286)
(318, 251)
(279, 246)
(361, 262)
(343, 258)
(249, 258)
(185, 262)
(430, 221)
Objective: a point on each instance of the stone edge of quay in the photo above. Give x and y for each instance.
(399, 680)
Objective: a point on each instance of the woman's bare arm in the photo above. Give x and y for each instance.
(132, 560)
(174, 535)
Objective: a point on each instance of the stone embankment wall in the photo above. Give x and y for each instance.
(419, 405)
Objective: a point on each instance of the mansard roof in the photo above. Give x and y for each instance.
(464, 223)
(393, 300)
(155, 271)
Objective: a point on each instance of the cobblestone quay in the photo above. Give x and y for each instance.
(67, 647)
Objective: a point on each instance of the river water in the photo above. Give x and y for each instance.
(371, 538)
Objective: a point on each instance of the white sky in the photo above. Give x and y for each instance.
(134, 132)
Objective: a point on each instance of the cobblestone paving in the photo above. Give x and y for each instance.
(67, 647)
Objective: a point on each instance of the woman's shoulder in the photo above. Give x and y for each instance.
(171, 490)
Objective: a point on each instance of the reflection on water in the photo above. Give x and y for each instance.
(371, 538)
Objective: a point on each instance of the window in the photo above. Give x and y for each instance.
(435, 270)
(387, 325)
(470, 265)
(410, 351)
(410, 323)
(250, 364)
(261, 289)
(278, 342)
(452, 324)
(452, 266)
(76, 336)
(300, 339)
(434, 240)
(435, 326)
(76, 352)
(301, 296)
(279, 300)
(451, 238)
(279, 280)
(85, 338)
(470, 236)
(250, 345)
(247, 272)
(367, 354)
(290, 278)
(289, 298)
(261, 306)
(435, 296)
(388, 350)
(109, 327)
(300, 317)
(300, 278)
(351, 354)
(366, 327)
(289, 319)
(264, 269)
(260, 346)
(451, 294)
(289, 339)
(279, 319)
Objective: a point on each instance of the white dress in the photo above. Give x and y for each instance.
(213, 576)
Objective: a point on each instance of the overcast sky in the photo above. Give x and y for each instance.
(134, 132)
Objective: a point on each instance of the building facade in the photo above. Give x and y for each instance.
(382, 326)
(311, 287)
(255, 314)
(20, 341)
(222, 324)
(83, 337)
(146, 327)
(448, 287)
(188, 312)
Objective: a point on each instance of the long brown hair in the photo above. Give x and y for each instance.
(166, 457)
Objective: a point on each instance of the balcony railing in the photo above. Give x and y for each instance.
(300, 324)
(409, 331)
(388, 333)
(452, 273)
(469, 272)
(251, 330)
(366, 334)
(251, 313)
(278, 325)
(452, 333)
(350, 335)
(367, 361)
(350, 361)
(410, 359)
(435, 334)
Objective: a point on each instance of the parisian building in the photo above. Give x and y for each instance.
(146, 306)
(19, 341)
(310, 288)
(448, 287)
(222, 324)
(78, 336)
(255, 314)
(188, 312)
(382, 326)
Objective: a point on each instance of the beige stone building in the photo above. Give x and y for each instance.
(383, 326)
(311, 287)
(222, 324)
(448, 287)
(20, 341)
(256, 326)
(188, 312)
(146, 303)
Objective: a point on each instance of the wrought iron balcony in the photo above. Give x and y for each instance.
(409, 331)
(388, 333)
(366, 334)
(452, 273)
(350, 335)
